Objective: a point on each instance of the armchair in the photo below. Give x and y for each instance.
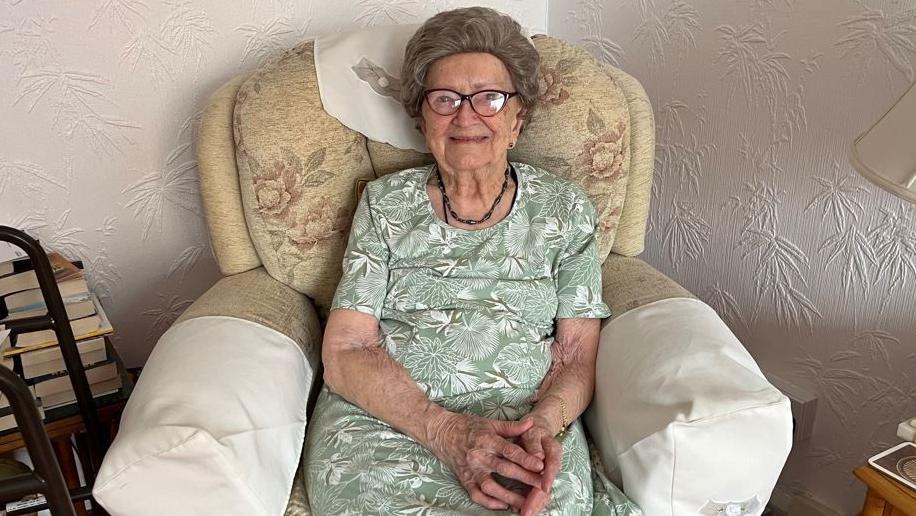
(682, 418)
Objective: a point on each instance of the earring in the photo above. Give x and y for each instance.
(511, 145)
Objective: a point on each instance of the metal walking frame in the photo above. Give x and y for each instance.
(47, 477)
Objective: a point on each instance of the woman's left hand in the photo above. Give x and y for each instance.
(540, 442)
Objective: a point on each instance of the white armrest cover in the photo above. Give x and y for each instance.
(215, 424)
(683, 414)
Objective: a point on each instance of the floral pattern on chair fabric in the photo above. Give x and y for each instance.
(297, 167)
(276, 188)
(603, 154)
(552, 81)
(317, 224)
(580, 130)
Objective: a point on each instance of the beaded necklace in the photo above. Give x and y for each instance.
(447, 205)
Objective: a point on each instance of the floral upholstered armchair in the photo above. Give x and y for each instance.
(682, 418)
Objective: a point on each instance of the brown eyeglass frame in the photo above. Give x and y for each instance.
(507, 94)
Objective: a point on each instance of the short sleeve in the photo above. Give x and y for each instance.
(364, 283)
(579, 272)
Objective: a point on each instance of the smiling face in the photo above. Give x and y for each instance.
(465, 140)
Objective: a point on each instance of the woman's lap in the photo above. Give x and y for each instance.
(359, 465)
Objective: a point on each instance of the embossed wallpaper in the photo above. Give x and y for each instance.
(99, 107)
(756, 208)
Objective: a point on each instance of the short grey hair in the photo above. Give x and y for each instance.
(466, 30)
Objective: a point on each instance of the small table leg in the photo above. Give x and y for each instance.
(64, 452)
(875, 505)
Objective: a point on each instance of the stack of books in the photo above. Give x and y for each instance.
(7, 420)
(36, 356)
(22, 298)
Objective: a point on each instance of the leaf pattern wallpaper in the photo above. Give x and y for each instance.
(757, 210)
(100, 106)
(755, 207)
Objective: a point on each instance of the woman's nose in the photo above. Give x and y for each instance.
(465, 113)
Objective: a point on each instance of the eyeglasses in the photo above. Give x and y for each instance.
(484, 103)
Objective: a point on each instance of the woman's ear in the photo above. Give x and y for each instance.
(519, 121)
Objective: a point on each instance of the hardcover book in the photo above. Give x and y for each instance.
(85, 328)
(23, 275)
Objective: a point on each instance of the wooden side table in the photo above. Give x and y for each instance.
(60, 431)
(885, 496)
(65, 423)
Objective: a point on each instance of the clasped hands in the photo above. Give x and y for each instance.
(475, 448)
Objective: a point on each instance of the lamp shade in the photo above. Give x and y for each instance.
(886, 153)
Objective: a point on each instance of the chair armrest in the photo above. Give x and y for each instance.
(216, 422)
(257, 297)
(628, 283)
(683, 415)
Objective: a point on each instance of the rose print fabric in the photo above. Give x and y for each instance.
(470, 315)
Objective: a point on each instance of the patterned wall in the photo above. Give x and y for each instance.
(757, 209)
(100, 105)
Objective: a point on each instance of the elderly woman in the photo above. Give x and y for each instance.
(461, 345)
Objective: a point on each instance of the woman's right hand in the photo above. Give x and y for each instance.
(474, 448)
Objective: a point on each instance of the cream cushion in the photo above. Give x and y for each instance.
(219, 191)
(297, 168)
(580, 129)
(214, 426)
(690, 422)
(359, 82)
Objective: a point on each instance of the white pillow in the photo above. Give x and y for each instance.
(215, 424)
(358, 80)
(683, 414)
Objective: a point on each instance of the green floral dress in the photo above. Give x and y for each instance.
(470, 315)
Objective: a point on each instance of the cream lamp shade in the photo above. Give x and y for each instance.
(886, 153)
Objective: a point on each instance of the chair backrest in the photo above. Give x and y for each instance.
(278, 175)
